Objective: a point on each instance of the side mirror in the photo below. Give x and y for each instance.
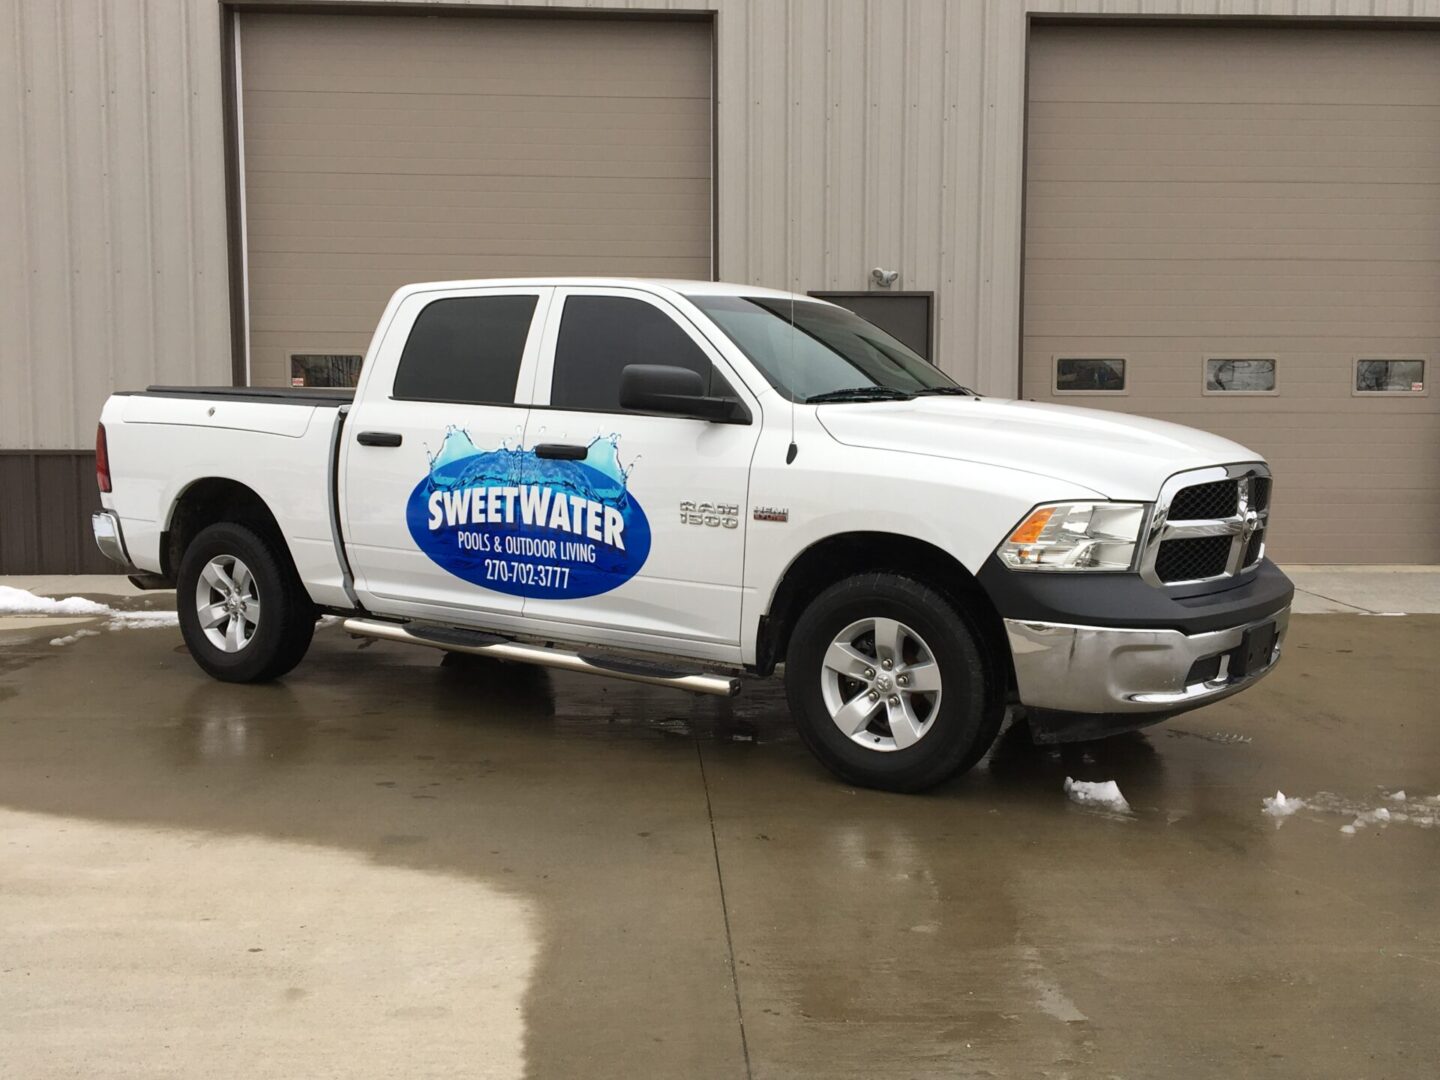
(675, 391)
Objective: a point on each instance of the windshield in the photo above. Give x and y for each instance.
(828, 353)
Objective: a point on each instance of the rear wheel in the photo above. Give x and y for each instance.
(244, 616)
(889, 685)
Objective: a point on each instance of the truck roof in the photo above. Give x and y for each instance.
(677, 285)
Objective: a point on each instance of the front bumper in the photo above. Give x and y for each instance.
(1095, 654)
(1124, 678)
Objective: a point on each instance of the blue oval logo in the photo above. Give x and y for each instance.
(515, 523)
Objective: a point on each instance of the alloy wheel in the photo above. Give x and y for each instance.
(881, 684)
(227, 602)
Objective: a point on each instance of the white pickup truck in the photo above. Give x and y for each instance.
(681, 482)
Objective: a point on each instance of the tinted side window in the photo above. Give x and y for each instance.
(599, 335)
(467, 349)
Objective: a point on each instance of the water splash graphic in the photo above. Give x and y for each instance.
(460, 463)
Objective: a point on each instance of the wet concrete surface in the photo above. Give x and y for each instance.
(389, 865)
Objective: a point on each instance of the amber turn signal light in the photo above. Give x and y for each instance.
(1030, 529)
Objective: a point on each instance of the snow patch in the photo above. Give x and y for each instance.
(1280, 806)
(1104, 793)
(1361, 814)
(70, 639)
(142, 620)
(20, 602)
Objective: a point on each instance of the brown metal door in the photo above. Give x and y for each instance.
(382, 150)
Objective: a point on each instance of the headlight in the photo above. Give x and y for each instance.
(1076, 536)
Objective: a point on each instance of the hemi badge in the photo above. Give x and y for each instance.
(771, 513)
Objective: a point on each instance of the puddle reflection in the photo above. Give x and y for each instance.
(223, 723)
(1017, 762)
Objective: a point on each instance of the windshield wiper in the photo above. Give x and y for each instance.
(860, 393)
(959, 391)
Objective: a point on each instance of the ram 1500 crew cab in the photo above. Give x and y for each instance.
(681, 482)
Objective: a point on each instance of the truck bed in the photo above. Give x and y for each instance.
(278, 442)
(313, 396)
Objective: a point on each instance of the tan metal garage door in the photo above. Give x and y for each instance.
(380, 150)
(1201, 194)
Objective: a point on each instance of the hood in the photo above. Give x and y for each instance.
(1115, 454)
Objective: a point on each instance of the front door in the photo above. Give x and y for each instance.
(432, 447)
(666, 554)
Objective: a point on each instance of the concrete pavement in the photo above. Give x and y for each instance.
(1372, 590)
(1320, 590)
(389, 865)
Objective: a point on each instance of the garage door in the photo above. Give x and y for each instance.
(1239, 229)
(381, 150)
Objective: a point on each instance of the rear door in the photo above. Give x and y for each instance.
(431, 464)
(674, 489)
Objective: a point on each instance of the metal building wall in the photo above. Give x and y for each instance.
(852, 133)
(112, 211)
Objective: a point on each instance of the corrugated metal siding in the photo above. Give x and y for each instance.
(112, 228)
(853, 133)
(45, 521)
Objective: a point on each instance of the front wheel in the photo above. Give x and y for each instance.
(889, 685)
(244, 616)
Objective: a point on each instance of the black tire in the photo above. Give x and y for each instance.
(959, 726)
(282, 631)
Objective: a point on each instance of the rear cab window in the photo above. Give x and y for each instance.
(466, 349)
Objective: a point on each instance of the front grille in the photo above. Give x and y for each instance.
(1237, 506)
(1254, 549)
(1215, 500)
(1195, 557)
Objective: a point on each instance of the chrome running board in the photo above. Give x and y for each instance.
(477, 643)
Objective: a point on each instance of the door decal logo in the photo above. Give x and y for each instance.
(529, 526)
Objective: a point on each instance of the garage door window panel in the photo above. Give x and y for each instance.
(1232, 376)
(1090, 375)
(325, 369)
(466, 350)
(602, 335)
(1390, 376)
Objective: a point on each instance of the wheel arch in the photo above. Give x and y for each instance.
(208, 501)
(844, 555)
